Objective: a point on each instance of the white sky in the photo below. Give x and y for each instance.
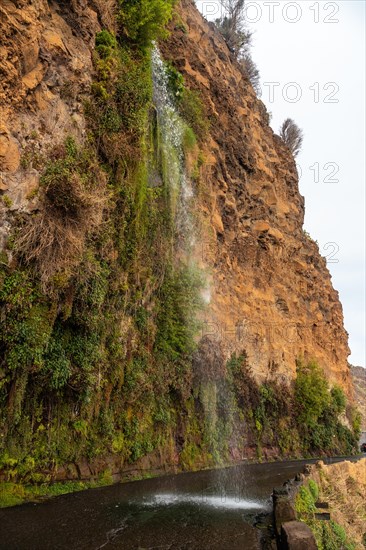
(321, 45)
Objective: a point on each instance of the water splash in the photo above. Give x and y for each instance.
(227, 502)
(206, 295)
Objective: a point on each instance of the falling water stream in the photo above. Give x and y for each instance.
(170, 135)
(210, 510)
(213, 510)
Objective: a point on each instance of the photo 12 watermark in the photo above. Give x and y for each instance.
(293, 92)
(327, 172)
(272, 12)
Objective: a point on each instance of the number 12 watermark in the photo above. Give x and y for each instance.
(290, 12)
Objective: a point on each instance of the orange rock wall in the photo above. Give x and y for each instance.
(271, 291)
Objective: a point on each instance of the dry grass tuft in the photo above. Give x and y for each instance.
(343, 486)
(71, 210)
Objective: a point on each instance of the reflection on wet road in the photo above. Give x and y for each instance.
(210, 510)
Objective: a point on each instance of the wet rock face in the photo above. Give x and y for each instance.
(271, 290)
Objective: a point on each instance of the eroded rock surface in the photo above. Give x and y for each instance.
(359, 383)
(271, 291)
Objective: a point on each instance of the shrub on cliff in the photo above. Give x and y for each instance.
(192, 109)
(189, 102)
(179, 301)
(292, 135)
(338, 400)
(144, 20)
(251, 71)
(233, 28)
(244, 385)
(311, 393)
(73, 196)
(318, 413)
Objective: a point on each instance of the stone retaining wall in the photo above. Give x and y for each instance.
(291, 534)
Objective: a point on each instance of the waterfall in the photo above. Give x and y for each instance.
(169, 148)
(170, 139)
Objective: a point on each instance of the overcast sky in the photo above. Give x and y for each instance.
(311, 56)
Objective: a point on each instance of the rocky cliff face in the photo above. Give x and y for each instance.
(359, 384)
(271, 290)
(98, 364)
(46, 67)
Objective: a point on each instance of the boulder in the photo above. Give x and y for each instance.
(29, 58)
(284, 512)
(296, 535)
(34, 77)
(260, 226)
(9, 152)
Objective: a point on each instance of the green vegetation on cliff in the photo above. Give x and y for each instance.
(305, 419)
(329, 535)
(319, 412)
(98, 311)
